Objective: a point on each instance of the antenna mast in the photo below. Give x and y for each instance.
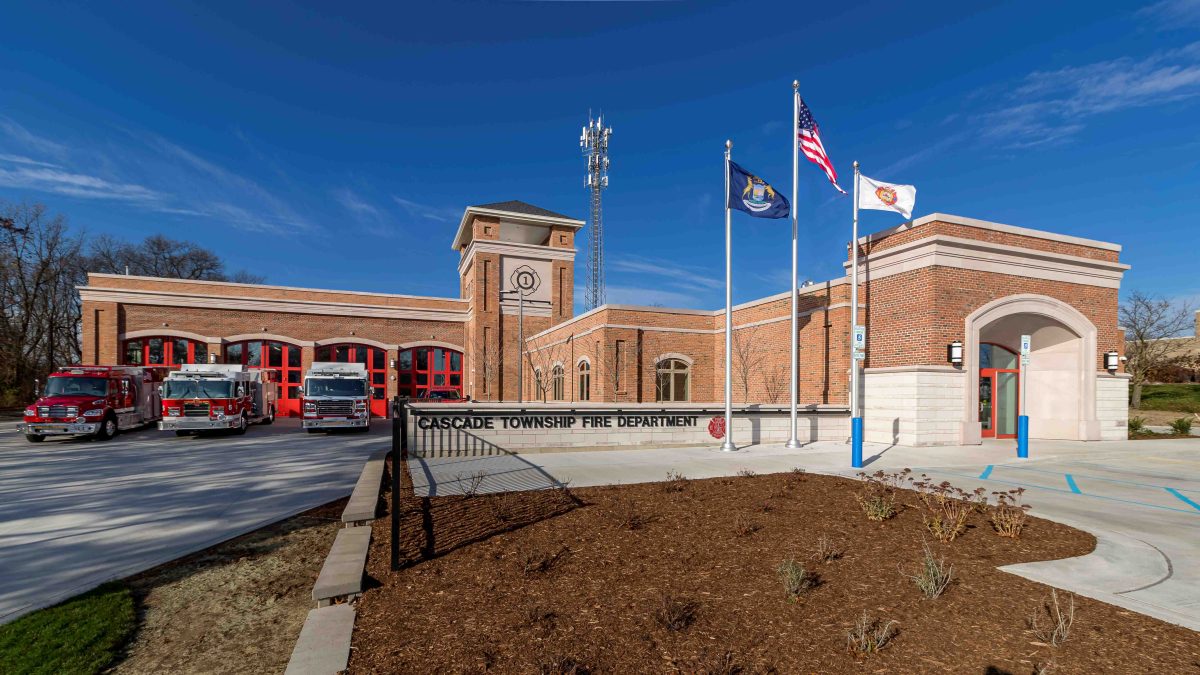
(594, 143)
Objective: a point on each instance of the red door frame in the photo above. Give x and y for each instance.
(425, 371)
(289, 377)
(170, 355)
(990, 374)
(375, 360)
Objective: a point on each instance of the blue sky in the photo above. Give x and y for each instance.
(336, 145)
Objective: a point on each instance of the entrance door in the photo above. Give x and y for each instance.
(998, 402)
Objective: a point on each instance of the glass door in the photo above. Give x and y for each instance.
(999, 402)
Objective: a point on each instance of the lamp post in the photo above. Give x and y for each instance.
(520, 293)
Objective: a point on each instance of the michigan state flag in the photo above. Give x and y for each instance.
(755, 196)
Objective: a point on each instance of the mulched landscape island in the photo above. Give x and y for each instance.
(780, 573)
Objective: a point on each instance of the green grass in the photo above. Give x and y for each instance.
(1172, 397)
(81, 635)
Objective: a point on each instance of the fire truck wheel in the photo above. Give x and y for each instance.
(270, 418)
(35, 438)
(241, 427)
(108, 428)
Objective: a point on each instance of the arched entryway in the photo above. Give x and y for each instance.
(1060, 381)
(373, 357)
(281, 357)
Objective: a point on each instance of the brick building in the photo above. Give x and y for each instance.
(934, 281)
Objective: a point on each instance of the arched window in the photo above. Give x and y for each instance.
(375, 360)
(420, 368)
(557, 383)
(585, 381)
(164, 351)
(674, 377)
(280, 357)
(537, 383)
(992, 355)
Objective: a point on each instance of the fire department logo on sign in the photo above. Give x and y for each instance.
(716, 427)
(886, 195)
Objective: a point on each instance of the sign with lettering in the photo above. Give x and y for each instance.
(860, 338)
(549, 422)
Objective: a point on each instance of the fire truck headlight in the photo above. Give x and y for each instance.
(360, 405)
(95, 412)
(310, 408)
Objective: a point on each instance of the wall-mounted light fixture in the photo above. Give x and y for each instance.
(392, 363)
(954, 353)
(212, 357)
(1111, 361)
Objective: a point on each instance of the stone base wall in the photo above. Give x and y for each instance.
(492, 429)
(917, 405)
(1112, 406)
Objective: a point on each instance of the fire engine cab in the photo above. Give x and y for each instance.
(336, 396)
(201, 396)
(96, 400)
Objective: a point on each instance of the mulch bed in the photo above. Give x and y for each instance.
(559, 582)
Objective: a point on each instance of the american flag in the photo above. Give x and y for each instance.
(809, 138)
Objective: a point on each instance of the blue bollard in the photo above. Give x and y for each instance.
(1023, 436)
(856, 438)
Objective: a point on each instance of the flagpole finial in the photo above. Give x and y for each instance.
(728, 144)
(856, 165)
(795, 84)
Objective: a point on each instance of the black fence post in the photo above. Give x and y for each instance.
(399, 453)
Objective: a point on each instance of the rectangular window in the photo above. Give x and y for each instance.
(179, 351)
(404, 362)
(274, 354)
(200, 353)
(377, 359)
(233, 354)
(293, 357)
(487, 267)
(155, 356)
(133, 353)
(253, 353)
(439, 362)
(360, 355)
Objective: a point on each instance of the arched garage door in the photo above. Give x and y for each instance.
(281, 357)
(420, 368)
(374, 358)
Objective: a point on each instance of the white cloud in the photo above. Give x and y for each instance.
(636, 295)
(679, 276)
(75, 185)
(1172, 14)
(18, 159)
(29, 140)
(443, 214)
(352, 202)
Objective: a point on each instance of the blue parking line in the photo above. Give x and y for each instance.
(1051, 489)
(1071, 484)
(1101, 478)
(987, 472)
(1187, 501)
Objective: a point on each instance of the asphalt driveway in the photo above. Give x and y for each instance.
(75, 512)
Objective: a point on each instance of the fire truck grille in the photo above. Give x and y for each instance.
(335, 407)
(58, 411)
(196, 409)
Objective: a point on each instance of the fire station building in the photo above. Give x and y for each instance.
(944, 299)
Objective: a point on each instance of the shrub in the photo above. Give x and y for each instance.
(676, 482)
(627, 515)
(1051, 623)
(877, 497)
(744, 527)
(1137, 425)
(870, 635)
(827, 550)
(1182, 426)
(541, 562)
(796, 580)
(1008, 518)
(469, 483)
(933, 576)
(675, 613)
(746, 473)
(503, 505)
(947, 507)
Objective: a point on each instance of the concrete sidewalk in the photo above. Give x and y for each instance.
(1141, 499)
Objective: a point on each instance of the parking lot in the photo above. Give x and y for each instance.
(77, 512)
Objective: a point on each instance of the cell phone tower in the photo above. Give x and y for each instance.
(594, 143)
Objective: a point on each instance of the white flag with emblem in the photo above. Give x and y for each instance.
(873, 194)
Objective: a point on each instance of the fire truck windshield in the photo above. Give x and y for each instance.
(329, 386)
(197, 389)
(76, 386)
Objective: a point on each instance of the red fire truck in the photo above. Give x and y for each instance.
(201, 397)
(96, 400)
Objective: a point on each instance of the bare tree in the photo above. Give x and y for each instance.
(542, 361)
(40, 319)
(1148, 322)
(160, 256)
(489, 368)
(776, 382)
(615, 360)
(748, 357)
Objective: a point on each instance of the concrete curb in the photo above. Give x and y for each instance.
(323, 647)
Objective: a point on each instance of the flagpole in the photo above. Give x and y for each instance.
(727, 445)
(856, 430)
(793, 441)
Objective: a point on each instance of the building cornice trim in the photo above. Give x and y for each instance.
(223, 302)
(512, 248)
(233, 284)
(988, 225)
(166, 331)
(472, 211)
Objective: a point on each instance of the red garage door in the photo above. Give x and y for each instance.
(374, 358)
(281, 357)
(419, 368)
